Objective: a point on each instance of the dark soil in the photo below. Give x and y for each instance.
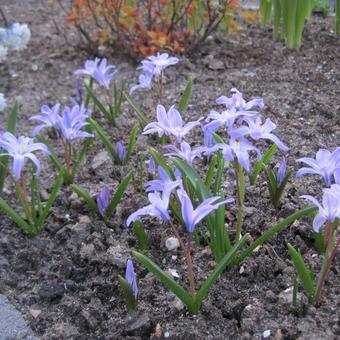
(69, 272)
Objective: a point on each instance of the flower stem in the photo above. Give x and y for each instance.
(325, 270)
(240, 198)
(188, 258)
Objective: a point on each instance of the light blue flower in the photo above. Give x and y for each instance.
(21, 148)
(98, 70)
(103, 199)
(324, 164)
(131, 278)
(158, 207)
(185, 152)
(193, 216)
(330, 208)
(48, 117)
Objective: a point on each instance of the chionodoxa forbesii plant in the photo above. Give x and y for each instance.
(181, 199)
(326, 221)
(22, 149)
(145, 27)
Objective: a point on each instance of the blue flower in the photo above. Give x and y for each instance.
(145, 82)
(121, 151)
(21, 148)
(131, 277)
(325, 164)
(48, 117)
(98, 70)
(170, 123)
(185, 152)
(259, 130)
(158, 207)
(282, 170)
(193, 216)
(164, 181)
(103, 199)
(158, 63)
(72, 121)
(330, 208)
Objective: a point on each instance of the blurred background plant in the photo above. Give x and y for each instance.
(144, 27)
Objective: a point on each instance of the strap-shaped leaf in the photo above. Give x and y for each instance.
(140, 234)
(105, 139)
(227, 259)
(118, 195)
(15, 217)
(274, 230)
(140, 115)
(183, 104)
(168, 281)
(98, 104)
(131, 302)
(261, 163)
(55, 189)
(86, 197)
(132, 143)
(211, 171)
(304, 273)
(272, 184)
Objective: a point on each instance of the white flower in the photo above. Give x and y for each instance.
(2, 102)
(3, 52)
(17, 36)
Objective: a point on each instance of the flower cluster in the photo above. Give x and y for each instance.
(68, 125)
(240, 122)
(15, 37)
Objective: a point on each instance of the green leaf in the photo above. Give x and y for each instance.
(105, 139)
(15, 217)
(261, 163)
(131, 302)
(272, 185)
(140, 234)
(168, 281)
(201, 294)
(304, 274)
(55, 189)
(211, 171)
(132, 143)
(140, 115)
(118, 195)
(183, 104)
(86, 197)
(99, 105)
(11, 127)
(282, 187)
(220, 168)
(274, 230)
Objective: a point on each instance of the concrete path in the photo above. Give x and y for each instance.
(12, 324)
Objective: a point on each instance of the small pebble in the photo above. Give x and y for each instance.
(172, 243)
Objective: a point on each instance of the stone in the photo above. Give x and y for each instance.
(172, 243)
(12, 324)
(139, 325)
(52, 291)
(101, 163)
